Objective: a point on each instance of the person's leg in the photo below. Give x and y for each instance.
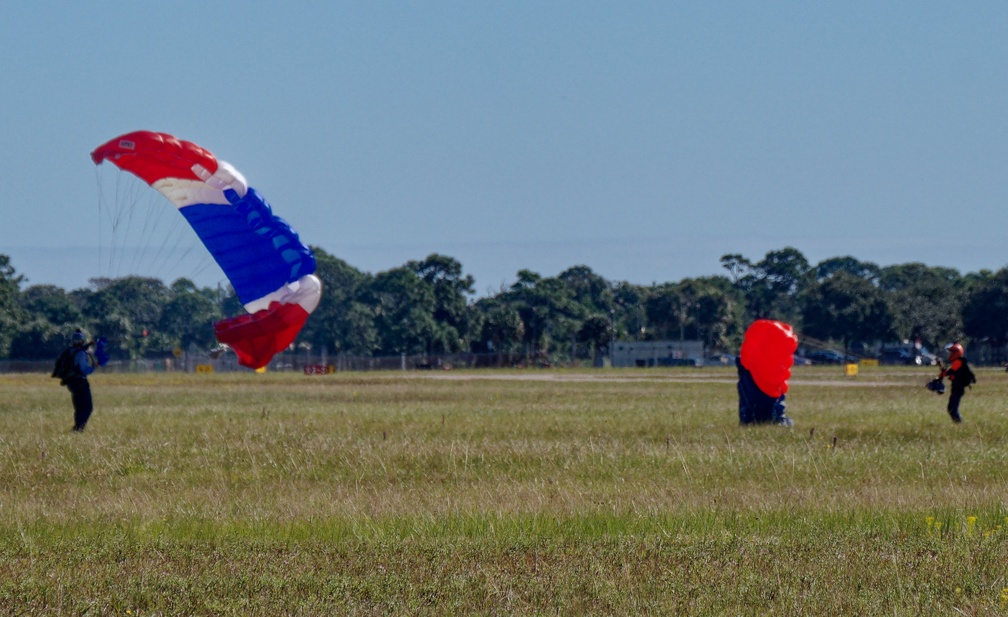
(82, 403)
(780, 412)
(953, 405)
(745, 414)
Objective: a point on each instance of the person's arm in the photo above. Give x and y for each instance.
(950, 372)
(83, 362)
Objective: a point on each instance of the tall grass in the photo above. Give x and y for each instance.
(512, 492)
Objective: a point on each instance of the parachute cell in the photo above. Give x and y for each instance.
(271, 271)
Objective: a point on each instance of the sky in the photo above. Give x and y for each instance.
(642, 139)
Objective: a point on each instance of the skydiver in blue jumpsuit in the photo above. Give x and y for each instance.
(73, 367)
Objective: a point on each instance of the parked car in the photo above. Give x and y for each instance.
(828, 356)
(907, 356)
(801, 361)
(720, 359)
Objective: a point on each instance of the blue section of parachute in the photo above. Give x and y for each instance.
(258, 251)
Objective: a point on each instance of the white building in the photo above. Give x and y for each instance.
(657, 353)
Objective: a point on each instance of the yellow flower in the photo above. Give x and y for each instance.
(970, 525)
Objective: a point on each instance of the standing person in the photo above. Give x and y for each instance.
(960, 376)
(72, 368)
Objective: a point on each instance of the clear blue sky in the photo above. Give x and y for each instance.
(643, 139)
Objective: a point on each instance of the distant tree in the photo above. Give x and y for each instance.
(738, 267)
(717, 311)
(49, 316)
(775, 285)
(597, 332)
(588, 289)
(985, 310)
(10, 311)
(451, 314)
(39, 339)
(861, 269)
(404, 311)
(52, 304)
(344, 321)
(708, 309)
(188, 316)
(525, 279)
(548, 311)
(502, 328)
(926, 302)
(128, 312)
(847, 308)
(426, 306)
(629, 310)
(667, 308)
(230, 303)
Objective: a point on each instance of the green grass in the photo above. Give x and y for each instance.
(511, 492)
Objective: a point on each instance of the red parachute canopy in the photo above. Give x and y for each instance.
(768, 353)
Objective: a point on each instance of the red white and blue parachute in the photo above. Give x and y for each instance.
(271, 271)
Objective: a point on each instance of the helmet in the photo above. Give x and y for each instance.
(77, 338)
(955, 351)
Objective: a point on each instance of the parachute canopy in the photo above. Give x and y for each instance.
(768, 353)
(271, 271)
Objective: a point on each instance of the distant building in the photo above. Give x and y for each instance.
(628, 354)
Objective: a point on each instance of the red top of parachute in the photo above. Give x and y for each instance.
(163, 156)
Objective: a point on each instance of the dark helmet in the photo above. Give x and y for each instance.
(77, 338)
(955, 351)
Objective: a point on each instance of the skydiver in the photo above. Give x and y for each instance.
(72, 368)
(960, 377)
(768, 349)
(756, 407)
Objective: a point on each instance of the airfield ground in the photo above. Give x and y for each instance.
(502, 492)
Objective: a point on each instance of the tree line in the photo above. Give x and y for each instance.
(428, 307)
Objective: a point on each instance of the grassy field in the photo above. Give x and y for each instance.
(511, 492)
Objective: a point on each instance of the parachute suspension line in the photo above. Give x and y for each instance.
(97, 171)
(141, 233)
(108, 214)
(166, 244)
(151, 228)
(126, 204)
(120, 208)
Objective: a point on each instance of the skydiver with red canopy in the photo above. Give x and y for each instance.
(764, 366)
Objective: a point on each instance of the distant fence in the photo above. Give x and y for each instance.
(293, 362)
(128, 366)
(979, 355)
